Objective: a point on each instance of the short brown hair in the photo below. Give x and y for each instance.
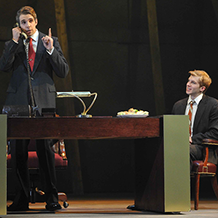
(25, 10)
(204, 78)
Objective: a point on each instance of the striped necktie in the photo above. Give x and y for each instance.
(190, 115)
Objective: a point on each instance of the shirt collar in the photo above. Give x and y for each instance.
(35, 36)
(196, 100)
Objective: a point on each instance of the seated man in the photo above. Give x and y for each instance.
(203, 114)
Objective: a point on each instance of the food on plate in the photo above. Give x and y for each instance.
(133, 111)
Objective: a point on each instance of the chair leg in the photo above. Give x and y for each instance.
(32, 193)
(197, 185)
(214, 185)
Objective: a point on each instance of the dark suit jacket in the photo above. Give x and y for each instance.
(14, 59)
(206, 119)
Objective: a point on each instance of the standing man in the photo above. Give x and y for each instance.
(203, 113)
(46, 58)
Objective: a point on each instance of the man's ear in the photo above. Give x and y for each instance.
(202, 88)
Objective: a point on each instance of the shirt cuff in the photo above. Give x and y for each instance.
(50, 52)
(15, 41)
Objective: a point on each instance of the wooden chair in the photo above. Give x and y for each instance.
(61, 162)
(205, 169)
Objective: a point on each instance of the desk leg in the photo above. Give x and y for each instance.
(149, 174)
(3, 177)
(162, 180)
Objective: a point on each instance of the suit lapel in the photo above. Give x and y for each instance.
(200, 111)
(22, 53)
(39, 52)
(183, 106)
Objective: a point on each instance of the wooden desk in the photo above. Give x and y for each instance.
(82, 128)
(162, 183)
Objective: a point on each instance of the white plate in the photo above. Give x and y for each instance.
(133, 116)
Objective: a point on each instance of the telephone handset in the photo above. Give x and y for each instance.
(23, 34)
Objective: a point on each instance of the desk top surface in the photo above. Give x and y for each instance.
(99, 127)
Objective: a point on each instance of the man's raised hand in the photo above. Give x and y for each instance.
(48, 41)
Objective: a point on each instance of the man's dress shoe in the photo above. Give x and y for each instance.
(53, 206)
(18, 207)
(132, 207)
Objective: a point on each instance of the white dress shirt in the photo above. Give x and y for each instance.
(195, 107)
(35, 38)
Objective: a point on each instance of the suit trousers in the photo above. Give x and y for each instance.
(196, 153)
(19, 155)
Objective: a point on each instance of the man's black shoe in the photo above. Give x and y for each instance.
(18, 207)
(132, 207)
(53, 206)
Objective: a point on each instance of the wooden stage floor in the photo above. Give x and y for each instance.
(108, 205)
